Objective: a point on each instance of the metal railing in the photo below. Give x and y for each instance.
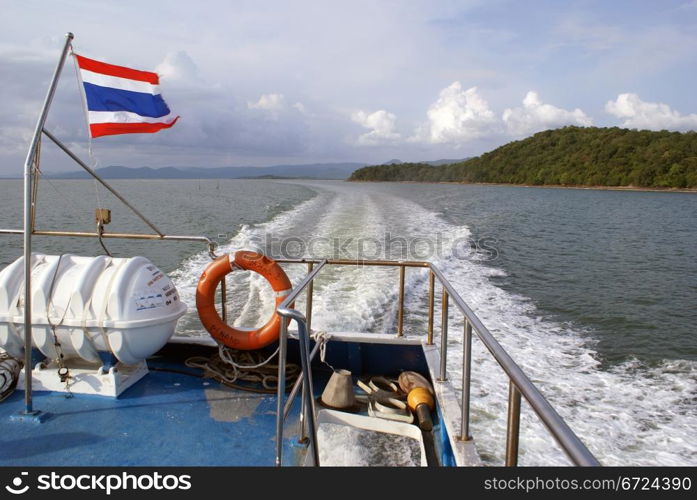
(519, 384)
(128, 236)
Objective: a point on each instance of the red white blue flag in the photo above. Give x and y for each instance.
(122, 100)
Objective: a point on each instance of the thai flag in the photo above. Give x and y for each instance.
(122, 100)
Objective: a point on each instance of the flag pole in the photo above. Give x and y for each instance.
(29, 229)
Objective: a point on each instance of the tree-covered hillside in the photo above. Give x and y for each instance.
(570, 156)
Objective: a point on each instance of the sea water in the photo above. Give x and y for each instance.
(593, 293)
(343, 445)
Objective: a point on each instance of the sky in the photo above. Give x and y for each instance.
(296, 82)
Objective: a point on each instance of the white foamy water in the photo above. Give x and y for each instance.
(630, 414)
(343, 445)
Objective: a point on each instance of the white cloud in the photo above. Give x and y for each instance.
(269, 102)
(178, 66)
(535, 116)
(457, 116)
(275, 106)
(649, 115)
(381, 123)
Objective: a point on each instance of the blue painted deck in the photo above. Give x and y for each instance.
(165, 419)
(177, 418)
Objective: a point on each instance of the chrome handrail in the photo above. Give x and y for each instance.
(125, 236)
(556, 425)
(286, 312)
(306, 374)
(519, 383)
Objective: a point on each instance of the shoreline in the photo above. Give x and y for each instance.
(543, 186)
(550, 186)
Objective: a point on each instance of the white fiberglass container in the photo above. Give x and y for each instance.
(125, 306)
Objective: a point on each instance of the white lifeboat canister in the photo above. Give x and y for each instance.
(123, 306)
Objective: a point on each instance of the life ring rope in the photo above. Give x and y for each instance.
(240, 338)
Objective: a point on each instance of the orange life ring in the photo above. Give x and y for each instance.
(244, 339)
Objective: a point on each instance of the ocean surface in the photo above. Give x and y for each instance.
(593, 293)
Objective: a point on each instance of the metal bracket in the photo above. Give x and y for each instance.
(102, 216)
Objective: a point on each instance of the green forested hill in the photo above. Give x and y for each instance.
(571, 156)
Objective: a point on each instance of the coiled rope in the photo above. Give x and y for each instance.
(229, 367)
(9, 374)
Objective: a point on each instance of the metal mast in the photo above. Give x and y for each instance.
(28, 226)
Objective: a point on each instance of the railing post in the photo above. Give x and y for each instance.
(298, 384)
(400, 315)
(304, 341)
(443, 337)
(308, 304)
(466, 380)
(431, 301)
(280, 392)
(303, 425)
(513, 430)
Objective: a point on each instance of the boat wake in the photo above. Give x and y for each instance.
(630, 414)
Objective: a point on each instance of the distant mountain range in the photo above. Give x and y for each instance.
(313, 171)
(310, 171)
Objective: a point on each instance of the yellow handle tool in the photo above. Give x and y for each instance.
(420, 401)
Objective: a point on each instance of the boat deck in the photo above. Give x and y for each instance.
(176, 417)
(166, 419)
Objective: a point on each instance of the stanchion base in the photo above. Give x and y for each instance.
(34, 417)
